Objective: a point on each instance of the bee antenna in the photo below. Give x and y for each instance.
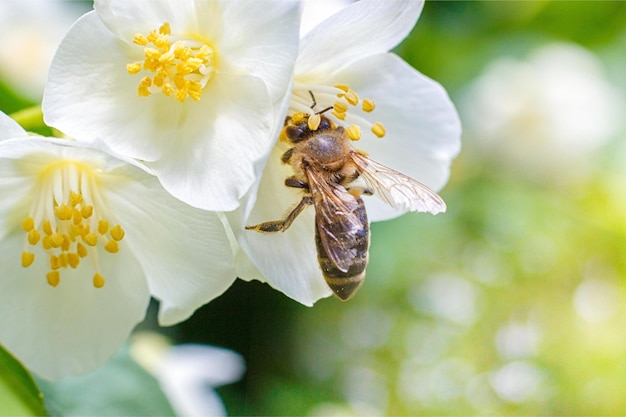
(315, 104)
(313, 98)
(325, 110)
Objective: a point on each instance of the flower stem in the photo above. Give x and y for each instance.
(29, 118)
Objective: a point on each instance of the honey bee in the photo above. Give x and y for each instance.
(326, 167)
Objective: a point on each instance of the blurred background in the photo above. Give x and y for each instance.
(511, 303)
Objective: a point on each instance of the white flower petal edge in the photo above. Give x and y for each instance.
(167, 250)
(190, 261)
(423, 127)
(9, 128)
(364, 28)
(287, 261)
(93, 95)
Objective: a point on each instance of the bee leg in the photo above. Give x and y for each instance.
(282, 225)
(287, 155)
(358, 191)
(293, 182)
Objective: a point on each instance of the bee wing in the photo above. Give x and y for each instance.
(396, 189)
(338, 226)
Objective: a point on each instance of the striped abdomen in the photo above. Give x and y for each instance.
(345, 284)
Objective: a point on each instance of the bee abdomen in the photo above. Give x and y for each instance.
(344, 284)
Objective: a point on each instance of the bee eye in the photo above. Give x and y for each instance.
(324, 124)
(296, 133)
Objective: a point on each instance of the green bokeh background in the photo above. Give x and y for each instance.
(424, 334)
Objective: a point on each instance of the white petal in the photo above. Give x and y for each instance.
(288, 260)
(423, 127)
(73, 328)
(260, 39)
(91, 96)
(184, 251)
(9, 128)
(364, 28)
(216, 170)
(125, 18)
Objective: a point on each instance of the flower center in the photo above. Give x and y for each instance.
(344, 103)
(180, 67)
(67, 221)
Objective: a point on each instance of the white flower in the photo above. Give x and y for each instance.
(341, 59)
(187, 373)
(188, 86)
(85, 239)
(545, 115)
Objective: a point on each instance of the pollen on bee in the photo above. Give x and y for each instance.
(314, 121)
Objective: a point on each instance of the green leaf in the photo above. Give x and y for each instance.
(19, 395)
(121, 387)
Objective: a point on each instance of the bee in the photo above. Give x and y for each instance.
(326, 168)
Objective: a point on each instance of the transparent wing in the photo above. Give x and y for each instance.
(396, 189)
(338, 226)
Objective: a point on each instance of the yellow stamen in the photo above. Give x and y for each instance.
(98, 280)
(378, 129)
(352, 98)
(353, 132)
(368, 105)
(181, 68)
(53, 277)
(112, 246)
(66, 235)
(340, 107)
(117, 233)
(28, 224)
(343, 87)
(27, 259)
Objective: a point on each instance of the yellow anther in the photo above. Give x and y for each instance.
(352, 98)
(33, 237)
(77, 217)
(86, 211)
(91, 239)
(55, 262)
(378, 129)
(340, 107)
(165, 29)
(140, 39)
(65, 246)
(314, 121)
(112, 246)
(98, 280)
(63, 212)
(53, 277)
(47, 228)
(28, 224)
(81, 250)
(340, 116)
(171, 63)
(75, 198)
(353, 132)
(56, 240)
(368, 105)
(133, 68)
(117, 233)
(73, 260)
(46, 242)
(343, 87)
(103, 226)
(27, 259)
